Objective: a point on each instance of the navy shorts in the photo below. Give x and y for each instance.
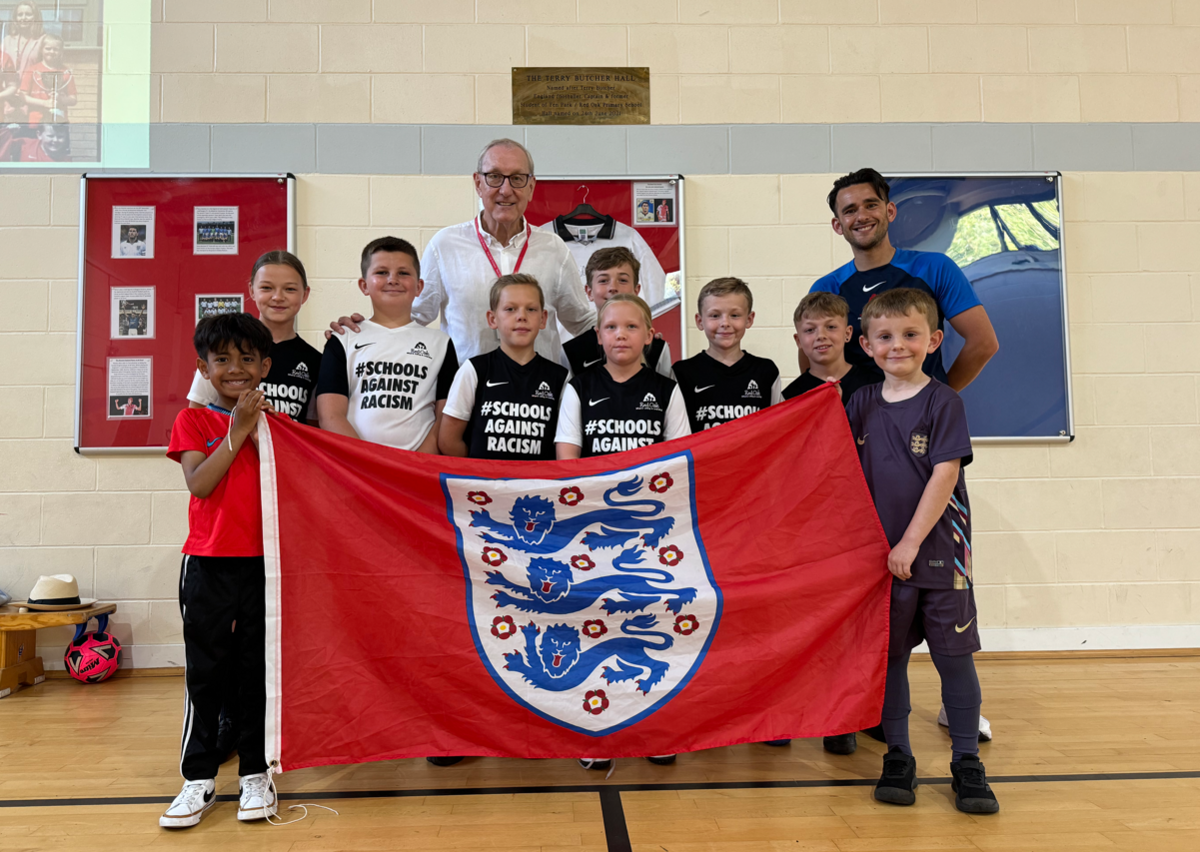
(945, 618)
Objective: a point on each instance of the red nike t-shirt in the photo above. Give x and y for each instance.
(227, 522)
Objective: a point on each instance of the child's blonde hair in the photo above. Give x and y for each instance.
(821, 304)
(636, 301)
(725, 287)
(522, 278)
(897, 303)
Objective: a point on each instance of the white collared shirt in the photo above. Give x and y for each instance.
(458, 281)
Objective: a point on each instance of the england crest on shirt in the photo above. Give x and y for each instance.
(591, 600)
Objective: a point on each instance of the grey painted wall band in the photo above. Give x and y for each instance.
(451, 149)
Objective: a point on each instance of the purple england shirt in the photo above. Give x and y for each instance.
(898, 444)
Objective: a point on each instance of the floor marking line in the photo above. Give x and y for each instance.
(616, 832)
(603, 788)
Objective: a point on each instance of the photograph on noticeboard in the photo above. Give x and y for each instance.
(211, 305)
(133, 232)
(215, 230)
(129, 388)
(132, 313)
(654, 204)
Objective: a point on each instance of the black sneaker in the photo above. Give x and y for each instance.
(227, 736)
(443, 761)
(777, 743)
(600, 764)
(898, 783)
(841, 744)
(661, 759)
(972, 795)
(876, 733)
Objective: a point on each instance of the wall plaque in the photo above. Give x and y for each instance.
(581, 95)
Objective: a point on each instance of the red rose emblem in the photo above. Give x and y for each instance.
(661, 483)
(583, 562)
(479, 498)
(570, 496)
(503, 627)
(686, 625)
(670, 555)
(494, 556)
(595, 701)
(594, 629)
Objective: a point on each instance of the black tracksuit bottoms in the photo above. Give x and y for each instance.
(223, 605)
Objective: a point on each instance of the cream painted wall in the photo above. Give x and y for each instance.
(711, 61)
(1104, 533)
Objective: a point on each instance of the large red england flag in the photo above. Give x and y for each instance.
(723, 588)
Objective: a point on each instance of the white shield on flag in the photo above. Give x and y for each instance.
(591, 599)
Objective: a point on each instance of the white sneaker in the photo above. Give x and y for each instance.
(189, 806)
(985, 727)
(258, 797)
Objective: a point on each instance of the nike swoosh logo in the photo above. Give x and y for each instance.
(208, 796)
(496, 384)
(703, 389)
(587, 364)
(867, 289)
(364, 345)
(214, 441)
(597, 401)
(863, 439)
(963, 629)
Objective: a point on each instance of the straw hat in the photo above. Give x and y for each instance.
(55, 592)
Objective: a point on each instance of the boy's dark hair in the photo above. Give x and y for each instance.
(608, 258)
(280, 258)
(522, 278)
(861, 176)
(725, 287)
(246, 333)
(393, 244)
(821, 304)
(897, 303)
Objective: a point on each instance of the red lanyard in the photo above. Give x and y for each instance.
(488, 252)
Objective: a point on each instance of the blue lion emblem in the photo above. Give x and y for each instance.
(559, 664)
(552, 590)
(535, 527)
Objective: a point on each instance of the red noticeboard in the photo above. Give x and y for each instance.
(155, 252)
(618, 198)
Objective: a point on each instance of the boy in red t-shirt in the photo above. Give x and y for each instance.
(49, 86)
(222, 580)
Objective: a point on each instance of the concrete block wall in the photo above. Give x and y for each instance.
(1097, 542)
(711, 61)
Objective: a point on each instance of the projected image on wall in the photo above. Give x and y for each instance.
(1005, 233)
(51, 55)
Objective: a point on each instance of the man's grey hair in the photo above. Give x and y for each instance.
(504, 143)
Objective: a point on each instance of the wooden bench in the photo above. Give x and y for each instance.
(19, 662)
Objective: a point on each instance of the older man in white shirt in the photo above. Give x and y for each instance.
(461, 261)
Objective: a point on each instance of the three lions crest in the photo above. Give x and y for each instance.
(590, 599)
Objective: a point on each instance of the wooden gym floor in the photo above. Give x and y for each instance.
(1089, 753)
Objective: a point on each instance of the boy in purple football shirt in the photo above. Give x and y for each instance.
(913, 442)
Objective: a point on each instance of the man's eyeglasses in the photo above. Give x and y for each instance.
(496, 180)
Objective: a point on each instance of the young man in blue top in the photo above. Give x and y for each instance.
(861, 215)
(862, 212)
